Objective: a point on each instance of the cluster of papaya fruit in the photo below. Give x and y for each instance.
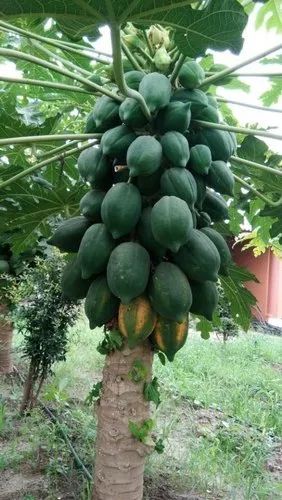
(145, 249)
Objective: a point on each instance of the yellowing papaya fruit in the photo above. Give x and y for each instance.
(169, 336)
(136, 320)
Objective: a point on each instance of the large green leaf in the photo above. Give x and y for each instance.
(241, 300)
(219, 26)
(270, 16)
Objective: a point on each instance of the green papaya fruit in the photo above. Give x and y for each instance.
(145, 234)
(219, 142)
(200, 159)
(73, 286)
(149, 185)
(169, 292)
(220, 178)
(162, 59)
(212, 101)
(171, 222)
(191, 75)
(194, 217)
(4, 267)
(90, 205)
(90, 126)
(176, 116)
(94, 79)
(175, 148)
(106, 113)
(116, 141)
(121, 209)
(203, 220)
(94, 250)
(144, 156)
(68, 235)
(101, 306)
(133, 79)
(208, 114)
(201, 190)
(215, 206)
(196, 97)
(199, 258)
(156, 90)
(205, 299)
(128, 271)
(131, 113)
(95, 168)
(222, 248)
(181, 183)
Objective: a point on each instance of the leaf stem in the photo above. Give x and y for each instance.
(177, 68)
(131, 57)
(43, 163)
(266, 75)
(48, 138)
(46, 64)
(56, 43)
(245, 104)
(44, 83)
(239, 130)
(148, 42)
(53, 55)
(228, 71)
(57, 150)
(250, 163)
(118, 70)
(257, 193)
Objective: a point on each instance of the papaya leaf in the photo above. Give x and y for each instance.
(272, 95)
(240, 298)
(270, 16)
(151, 391)
(219, 26)
(94, 394)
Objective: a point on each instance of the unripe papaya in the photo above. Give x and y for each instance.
(116, 141)
(136, 320)
(181, 183)
(144, 156)
(4, 267)
(220, 178)
(94, 79)
(212, 101)
(121, 209)
(131, 113)
(191, 75)
(94, 250)
(101, 306)
(208, 114)
(176, 116)
(203, 220)
(215, 206)
(175, 148)
(196, 97)
(219, 141)
(149, 185)
(205, 299)
(73, 286)
(169, 292)
(201, 190)
(128, 271)
(222, 248)
(68, 235)
(169, 336)
(133, 79)
(145, 234)
(90, 205)
(156, 90)
(106, 113)
(200, 159)
(95, 168)
(171, 222)
(199, 258)
(90, 126)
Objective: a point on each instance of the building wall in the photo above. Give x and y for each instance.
(268, 292)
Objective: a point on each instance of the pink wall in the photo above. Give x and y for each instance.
(268, 269)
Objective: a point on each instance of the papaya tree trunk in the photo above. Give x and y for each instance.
(6, 336)
(120, 457)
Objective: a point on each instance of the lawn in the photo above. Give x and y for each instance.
(220, 419)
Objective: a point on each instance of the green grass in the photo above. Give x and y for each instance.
(220, 416)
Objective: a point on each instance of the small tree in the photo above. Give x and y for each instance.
(42, 315)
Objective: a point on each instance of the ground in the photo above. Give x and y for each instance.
(219, 418)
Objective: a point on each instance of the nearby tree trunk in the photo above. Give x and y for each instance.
(6, 336)
(120, 457)
(28, 391)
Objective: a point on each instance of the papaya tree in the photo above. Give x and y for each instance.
(164, 173)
